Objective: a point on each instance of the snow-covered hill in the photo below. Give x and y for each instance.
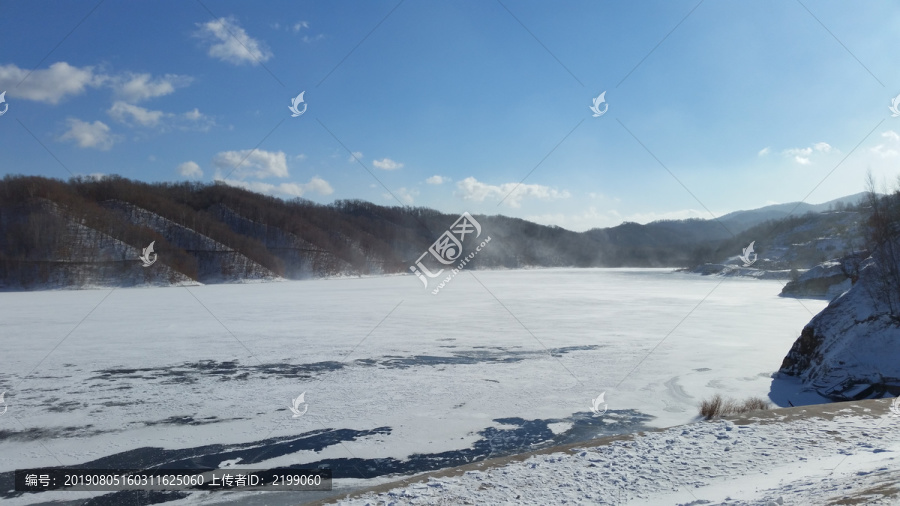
(301, 258)
(826, 280)
(76, 255)
(216, 262)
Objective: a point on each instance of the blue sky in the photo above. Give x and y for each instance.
(713, 106)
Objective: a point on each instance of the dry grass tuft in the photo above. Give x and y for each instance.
(717, 406)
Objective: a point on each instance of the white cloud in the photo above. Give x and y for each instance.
(764, 151)
(132, 115)
(354, 156)
(315, 184)
(89, 135)
(308, 39)
(319, 185)
(604, 198)
(61, 80)
(48, 85)
(824, 147)
(195, 120)
(258, 163)
(190, 170)
(194, 115)
(230, 43)
(128, 114)
(803, 155)
(387, 164)
(295, 27)
(406, 196)
(884, 152)
(798, 151)
(137, 87)
(513, 193)
(437, 179)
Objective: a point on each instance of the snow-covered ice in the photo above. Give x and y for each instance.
(498, 362)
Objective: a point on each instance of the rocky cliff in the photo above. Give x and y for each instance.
(851, 350)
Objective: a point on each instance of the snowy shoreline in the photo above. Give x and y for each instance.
(804, 455)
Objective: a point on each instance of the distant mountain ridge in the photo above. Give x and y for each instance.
(212, 233)
(743, 220)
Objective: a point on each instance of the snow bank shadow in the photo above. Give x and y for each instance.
(787, 391)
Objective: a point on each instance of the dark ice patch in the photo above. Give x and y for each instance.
(192, 372)
(517, 436)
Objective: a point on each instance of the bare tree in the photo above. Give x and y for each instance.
(884, 245)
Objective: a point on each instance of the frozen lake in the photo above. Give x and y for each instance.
(396, 380)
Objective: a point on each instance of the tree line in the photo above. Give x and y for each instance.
(205, 231)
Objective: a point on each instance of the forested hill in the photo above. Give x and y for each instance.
(85, 232)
